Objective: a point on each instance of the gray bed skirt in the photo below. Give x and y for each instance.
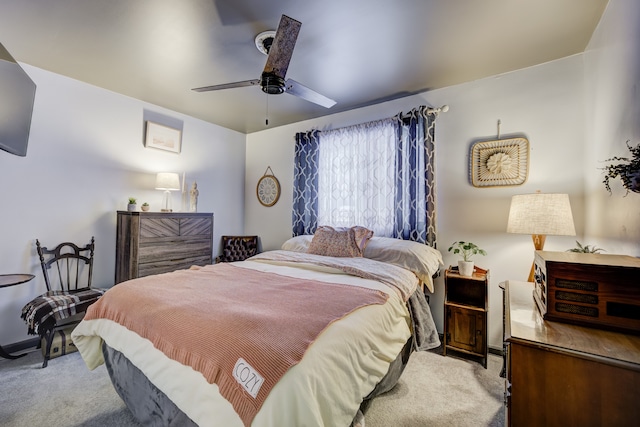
(149, 405)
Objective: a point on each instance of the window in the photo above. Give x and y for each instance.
(377, 174)
(356, 177)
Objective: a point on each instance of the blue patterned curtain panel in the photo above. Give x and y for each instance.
(415, 216)
(305, 183)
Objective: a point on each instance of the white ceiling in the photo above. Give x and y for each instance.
(357, 52)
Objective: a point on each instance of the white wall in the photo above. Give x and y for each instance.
(612, 87)
(85, 158)
(544, 103)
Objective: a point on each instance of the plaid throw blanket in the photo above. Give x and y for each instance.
(42, 313)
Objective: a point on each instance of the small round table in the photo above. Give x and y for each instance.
(7, 280)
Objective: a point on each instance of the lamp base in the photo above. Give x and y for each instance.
(166, 202)
(538, 243)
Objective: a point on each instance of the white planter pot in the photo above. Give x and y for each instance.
(465, 268)
(131, 207)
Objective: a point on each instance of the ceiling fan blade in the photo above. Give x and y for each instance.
(282, 47)
(228, 85)
(300, 90)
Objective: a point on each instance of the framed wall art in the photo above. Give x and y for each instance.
(502, 162)
(162, 137)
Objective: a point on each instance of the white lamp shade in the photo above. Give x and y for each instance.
(167, 181)
(546, 214)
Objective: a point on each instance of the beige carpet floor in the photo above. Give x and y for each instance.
(433, 391)
(442, 391)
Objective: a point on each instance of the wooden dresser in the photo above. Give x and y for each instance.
(158, 242)
(559, 374)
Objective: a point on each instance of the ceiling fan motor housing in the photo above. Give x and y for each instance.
(272, 84)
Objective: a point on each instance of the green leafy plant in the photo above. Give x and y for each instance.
(466, 249)
(144, 204)
(628, 169)
(132, 200)
(586, 249)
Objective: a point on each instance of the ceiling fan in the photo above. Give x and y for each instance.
(278, 48)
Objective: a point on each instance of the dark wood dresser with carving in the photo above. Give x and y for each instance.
(560, 374)
(157, 242)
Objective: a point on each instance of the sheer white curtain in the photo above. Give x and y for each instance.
(356, 176)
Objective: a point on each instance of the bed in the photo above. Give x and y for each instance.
(289, 337)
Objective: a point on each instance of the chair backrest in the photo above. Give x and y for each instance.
(238, 248)
(73, 265)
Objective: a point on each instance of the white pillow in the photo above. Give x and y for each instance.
(298, 243)
(422, 259)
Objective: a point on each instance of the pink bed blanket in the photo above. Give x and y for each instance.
(241, 328)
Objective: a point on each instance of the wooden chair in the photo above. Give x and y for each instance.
(238, 248)
(69, 292)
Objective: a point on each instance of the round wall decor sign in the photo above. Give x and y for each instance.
(268, 189)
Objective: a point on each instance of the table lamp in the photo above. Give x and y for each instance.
(540, 215)
(167, 181)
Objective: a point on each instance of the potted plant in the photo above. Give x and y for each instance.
(145, 206)
(466, 250)
(628, 169)
(586, 249)
(131, 207)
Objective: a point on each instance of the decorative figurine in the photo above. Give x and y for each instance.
(193, 205)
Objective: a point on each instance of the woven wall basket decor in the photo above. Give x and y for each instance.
(499, 163)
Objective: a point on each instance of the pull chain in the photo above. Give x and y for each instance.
(266, 120)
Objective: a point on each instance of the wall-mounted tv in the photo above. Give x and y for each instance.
(17, 93)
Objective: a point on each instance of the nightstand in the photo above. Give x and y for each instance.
(466, 305)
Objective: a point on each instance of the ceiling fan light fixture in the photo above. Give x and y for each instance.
(264, 40)
(272, 84)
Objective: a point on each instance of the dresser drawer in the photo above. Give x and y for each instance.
(154, 228)
(174, 249)
(196, 227)
(151, 228)
(148, 269)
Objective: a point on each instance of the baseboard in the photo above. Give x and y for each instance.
(22, 345)
(496, 351)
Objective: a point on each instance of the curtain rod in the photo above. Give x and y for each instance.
(430, 110)
(426, 110)
(442, 109)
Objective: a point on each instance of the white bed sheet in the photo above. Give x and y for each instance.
(326, 388)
